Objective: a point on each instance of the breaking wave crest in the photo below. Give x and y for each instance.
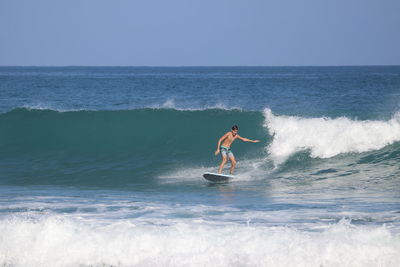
(327, 137)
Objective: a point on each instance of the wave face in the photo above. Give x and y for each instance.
(326, 137)
(88, 147)
(116, 148)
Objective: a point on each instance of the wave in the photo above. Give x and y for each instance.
(327, 137)
(91, 146)
(169, 103)
(116, 148)
(57, 241)
(120, 130)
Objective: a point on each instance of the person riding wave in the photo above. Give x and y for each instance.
(225, 149)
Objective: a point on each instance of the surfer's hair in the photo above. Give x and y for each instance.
(235, 127)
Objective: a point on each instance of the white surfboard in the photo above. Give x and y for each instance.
(217, 177)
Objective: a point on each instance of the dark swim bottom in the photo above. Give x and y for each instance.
(226, 151)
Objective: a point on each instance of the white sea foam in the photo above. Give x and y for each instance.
(326, 137)
(185, 174)
(57, 241)
(41, 106)
(171, 104)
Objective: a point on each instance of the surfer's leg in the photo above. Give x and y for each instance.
(233, 163)
(224, 159)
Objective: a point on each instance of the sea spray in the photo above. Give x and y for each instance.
(327, 137)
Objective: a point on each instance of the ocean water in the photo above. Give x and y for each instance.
(102, 166)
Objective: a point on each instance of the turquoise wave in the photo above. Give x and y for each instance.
(116, 147)
(134, 147)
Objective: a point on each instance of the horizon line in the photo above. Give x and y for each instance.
(199, 66)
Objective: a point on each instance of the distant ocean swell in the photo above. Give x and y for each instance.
(38, 145)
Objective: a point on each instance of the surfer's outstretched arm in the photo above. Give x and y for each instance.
(248, 140)
(220, 141)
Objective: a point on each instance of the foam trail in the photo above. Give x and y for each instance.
(326, 137)
(246, 170)
(56, 241)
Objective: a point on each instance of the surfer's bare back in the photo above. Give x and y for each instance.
(225, 149)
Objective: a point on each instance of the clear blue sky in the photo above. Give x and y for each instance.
(200, 33)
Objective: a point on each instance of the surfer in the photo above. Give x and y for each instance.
(225, 149)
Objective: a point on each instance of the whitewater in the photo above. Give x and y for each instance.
(292, 134)
(103, 166)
